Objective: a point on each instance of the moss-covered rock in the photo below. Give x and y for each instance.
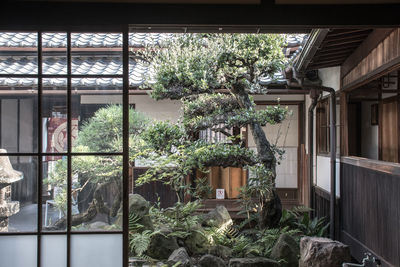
(211, 261)
(253, 262)
(161, 245)
(197, 242)
(287, 249)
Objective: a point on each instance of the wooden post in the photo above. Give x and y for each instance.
(344, 133)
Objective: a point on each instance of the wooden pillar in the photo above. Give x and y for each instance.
(398, 115)
(344, 130)
(380, 115)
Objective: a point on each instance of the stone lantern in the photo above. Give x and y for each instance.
(7, 176)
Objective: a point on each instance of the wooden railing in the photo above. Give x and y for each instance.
(370, 208)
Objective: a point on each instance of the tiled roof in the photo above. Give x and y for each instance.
(80, 66)
(26, 39)
(94, 65)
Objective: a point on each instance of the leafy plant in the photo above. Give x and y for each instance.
(139, 242)
(259, 242)
(299, 218)
(179, 219)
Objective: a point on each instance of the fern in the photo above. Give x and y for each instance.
(139, 242)
(134, 226)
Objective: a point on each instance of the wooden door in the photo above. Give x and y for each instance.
(389, 131)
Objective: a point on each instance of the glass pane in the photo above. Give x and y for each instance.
(98, 111)
(18, 251)
(18, 114)
(54, 197)
(96, 250)
(18, 194)
(54, 116)
(96, 193)
(19, 53)
(96, 53)
(54, 251)
(54, 53)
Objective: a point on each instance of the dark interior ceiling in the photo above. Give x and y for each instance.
(18, 15)
(338, 45)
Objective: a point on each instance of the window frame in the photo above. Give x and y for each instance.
(322, 137)
(39, 154)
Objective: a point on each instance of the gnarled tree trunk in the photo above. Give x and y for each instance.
(271, 212)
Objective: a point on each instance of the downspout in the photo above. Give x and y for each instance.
(332, 130)
(332, 118)
(311, 148)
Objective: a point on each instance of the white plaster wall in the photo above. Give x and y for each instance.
(330, 77)
(285, 135)
(324, 175)
(158, 110)
(278, 97)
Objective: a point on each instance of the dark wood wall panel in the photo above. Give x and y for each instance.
(370, 212)
(154, 190)
(322, 206)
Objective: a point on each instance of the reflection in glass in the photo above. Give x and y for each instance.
(96, 193)
(18, 193)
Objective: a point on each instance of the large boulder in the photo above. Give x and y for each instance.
(211, 261)
(197, 242)
(218, 217)
(253, 262)
(322, 252)
(161, 245)
(287, 249)
(220, 251)
(139, 207)
(179, 255)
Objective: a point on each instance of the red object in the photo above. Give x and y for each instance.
(57, 136)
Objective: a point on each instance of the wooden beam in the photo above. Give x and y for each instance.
(326, 58)
(346, 37)
(377, 36)
(330, 49)
(339, 32)
(334, 52)
(352, 41)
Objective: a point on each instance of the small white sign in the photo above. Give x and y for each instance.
(220, 193)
